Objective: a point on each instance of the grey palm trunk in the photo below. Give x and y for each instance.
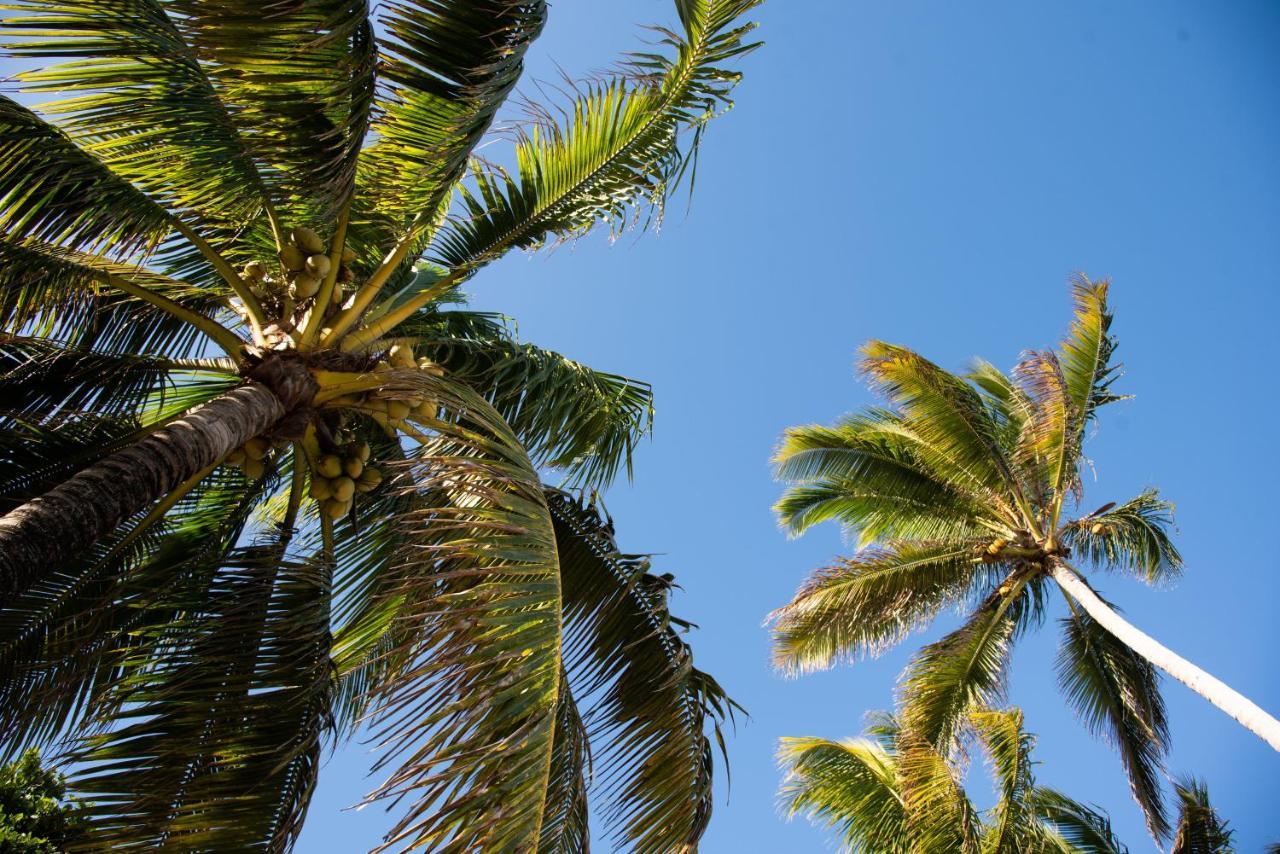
(49, 530)
(1248, 713)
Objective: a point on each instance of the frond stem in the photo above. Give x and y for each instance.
(223, 337)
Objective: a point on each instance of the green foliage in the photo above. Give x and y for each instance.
(956, 492)
(36, 816)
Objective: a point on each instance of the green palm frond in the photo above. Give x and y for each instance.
(651, 706)
(297, 82)
(1200, 829)
(568, 416)
(965, 670)
(948, 416)
(618, 148)
(867, 475)
(53, 292)
(1008, 746)
(865, 604)
(1085, 830)
(467, 725)
(144, 105)
(851, 786)
(565, 825)
(236, 704)
(1132, 537)
(65, 639)
(940, 817)
(447, 68)
(1116, 693)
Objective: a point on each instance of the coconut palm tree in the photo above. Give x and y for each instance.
(961, 494)
(265, 481)
(890, 793)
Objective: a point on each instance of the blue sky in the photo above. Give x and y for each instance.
(929, 175)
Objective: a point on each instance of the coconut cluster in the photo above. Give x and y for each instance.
(392, 411)
(250, 457)
(336, 478)
(305, 262)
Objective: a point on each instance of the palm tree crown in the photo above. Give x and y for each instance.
(267, 480)
(963, 493)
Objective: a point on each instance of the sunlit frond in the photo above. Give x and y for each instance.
(1131, 537)
(865, 604)
(1116, 693)
(1084, 829)
(940, 817)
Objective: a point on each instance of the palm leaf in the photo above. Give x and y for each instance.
(565, 826)
(1200, 829)
(865, 604)
(1132, 537)
(1083, 829)
(940, 817)
(1008, 746)
(650, 705)
(851, 786)
(1116, 693)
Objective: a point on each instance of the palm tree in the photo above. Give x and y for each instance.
(264, 480)
(889, 793)
(959, 495)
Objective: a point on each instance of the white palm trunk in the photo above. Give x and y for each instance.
(1248, 713)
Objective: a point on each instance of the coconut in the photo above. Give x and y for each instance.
(321, 488)
(318, 265)
(426, 409)
(343, 488)
(348, 255)
(996, 546)
(361, 451)
(256, 448)
(235, 458)
(292, 258)
(335, 509)
(401, 356)
(397, 410)
(254, 469)
(330, 465)
(369, 480)
(255, 271)
(353, 466)
(1098, 529)
(307, 240)
(305, 286)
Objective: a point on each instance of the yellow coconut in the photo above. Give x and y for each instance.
(369, 480)
(305, 286)
(308, 241)
(1098, 529)
(397, 410)
(321, 488)
(996, 546)
(330, 465)
(361, 451)
(318, 266)
(401, 356)
(343, 488)
(254, 469)
(235, 458)
(255, 271)
(352, 466)
(335, 509)
(348, 255)
(292, 258)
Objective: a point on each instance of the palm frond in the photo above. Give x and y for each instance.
(297, 80)
(1086, 353)
(447, 67)
(650, 707)
(865, 474)
(965, 670)
(1116, 693)
(565, 825)
(1200, 829)
(468, 722)
(1008, 746)
(566, 414)
(948, 415)
(940, 817)
(145, 106)
(618, 148)
(1084, 829)
(224, 729)
(851, 786)
(865, 604)
(1132, 537)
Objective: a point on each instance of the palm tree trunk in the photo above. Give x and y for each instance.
(1245, 711)
(47, 531)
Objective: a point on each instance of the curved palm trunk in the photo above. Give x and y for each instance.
(47, 531)
(1245, 711)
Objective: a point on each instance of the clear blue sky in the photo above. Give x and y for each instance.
(925, 174)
